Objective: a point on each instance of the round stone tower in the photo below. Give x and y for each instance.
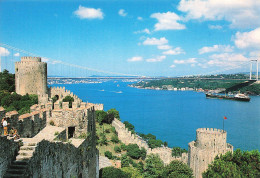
(31, 76)
(208, 144)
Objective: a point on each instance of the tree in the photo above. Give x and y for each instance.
(154, 166)
(100, 115)
(69, 99)
(115, 139)
(108, 154)
(133, 151)
(109, 172)
(133, 172)
(103, 140)
(238, 164)
(154, 143)
(143, 153)
(114, 113)
(117, 149)
(177, 169)
(7, 81)
(130, 126)
(124, 161)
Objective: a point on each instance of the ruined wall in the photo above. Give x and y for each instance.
(126, 136)
(98, 107)
(209, 143)
(8, 151)
(165, 153)
(57, 159)
(27, 125)
(31, 76)
(61, 92)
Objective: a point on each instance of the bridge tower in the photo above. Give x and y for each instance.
(251, 66)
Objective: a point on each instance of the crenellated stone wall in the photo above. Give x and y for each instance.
(61, 93)
(208, 144)
(8, 151)
(165, 153)
(27, 125)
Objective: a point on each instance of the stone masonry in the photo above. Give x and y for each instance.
(31, 76)
(208, 144)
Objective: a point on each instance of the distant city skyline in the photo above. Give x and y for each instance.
(138, 37)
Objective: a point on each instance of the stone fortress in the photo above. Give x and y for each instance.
(208, 144)
(43, 152)
(56, 140)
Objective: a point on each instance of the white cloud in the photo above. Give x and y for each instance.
(122, 12)
(226, 60)
(255, 54)
(240, 13)
(174, 51)
(143, 31)
(164, 47)
(188, 61)
(140, 18)
(17, 54)
(172, 66)
(216, 48)
(167, 21)
(248, 39)
(4, 51)
(215, 27)
(135, 59)
(89, 13)
(157, 59)
(45, 60)
(155, 41)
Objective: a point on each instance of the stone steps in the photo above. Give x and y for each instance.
(16, 170)
(18, 167)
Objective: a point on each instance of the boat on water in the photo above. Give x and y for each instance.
(238, 97)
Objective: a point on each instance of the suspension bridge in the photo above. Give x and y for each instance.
(64, 70)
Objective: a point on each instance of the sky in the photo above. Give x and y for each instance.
(134, 37)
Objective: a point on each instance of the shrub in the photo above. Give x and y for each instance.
(124, 161)
(117, 149)
(108, 154)
(52, 123)
(114, 139)
(109, 172)
(133, 151)
(123, 147)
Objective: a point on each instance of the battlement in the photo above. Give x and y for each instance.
(30, 59)
(210, 130)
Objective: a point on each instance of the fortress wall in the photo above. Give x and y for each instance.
(165, 153)
(31, 77)
(209, 143)
(57, 160)
(29, 124)
(61, 92)
(98, 107)
(8, 152)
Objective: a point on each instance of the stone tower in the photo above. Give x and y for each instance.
(31, 76)
(208, 144)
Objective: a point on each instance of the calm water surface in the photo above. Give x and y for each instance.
(174, 116)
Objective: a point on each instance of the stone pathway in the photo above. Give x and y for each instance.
(104, 162)
(18, 167)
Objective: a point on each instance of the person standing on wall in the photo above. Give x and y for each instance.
(5, 124)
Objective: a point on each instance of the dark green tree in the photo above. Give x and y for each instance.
(109, 172)
(69, 99)
(117, 149)
(114, 112)
(177, 169)
(133, 151)
(238, 164)
(114, 139)
(7, 81)
(130, 126)
(154, 166)
(124, 161)
(108, 154)
(100, 115)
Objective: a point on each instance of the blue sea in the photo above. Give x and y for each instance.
(174, 116)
